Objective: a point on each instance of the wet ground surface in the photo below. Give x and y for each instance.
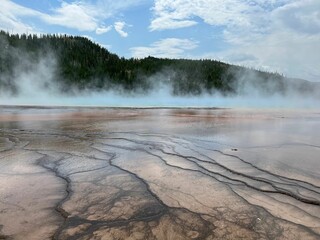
(95, 173)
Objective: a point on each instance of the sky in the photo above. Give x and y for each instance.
(273, 35)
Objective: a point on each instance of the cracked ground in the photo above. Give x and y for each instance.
(103, 173)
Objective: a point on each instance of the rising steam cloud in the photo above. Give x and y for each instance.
(37, 83)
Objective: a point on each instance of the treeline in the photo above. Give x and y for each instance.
(84, 65)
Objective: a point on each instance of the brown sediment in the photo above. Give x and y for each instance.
(159, 174)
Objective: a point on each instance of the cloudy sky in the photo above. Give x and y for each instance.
(273, 35)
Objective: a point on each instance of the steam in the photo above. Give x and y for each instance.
(36, 82)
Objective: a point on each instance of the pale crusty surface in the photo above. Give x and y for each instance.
(103, 173)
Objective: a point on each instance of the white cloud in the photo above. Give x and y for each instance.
(300, 16)
(275, 35)
(290, 45)
(102, 30)
(165, 48)
(163, 23)
(214, 12)
(246, 17)
(118, 26)
(284, 52)
(10, 17)
(82, 15)
(76, 15)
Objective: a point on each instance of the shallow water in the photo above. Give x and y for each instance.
(103, 173)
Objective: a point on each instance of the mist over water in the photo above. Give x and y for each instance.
(157, 99)
(36, 83)
(161, 98)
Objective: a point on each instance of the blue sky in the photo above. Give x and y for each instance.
(272, 35)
